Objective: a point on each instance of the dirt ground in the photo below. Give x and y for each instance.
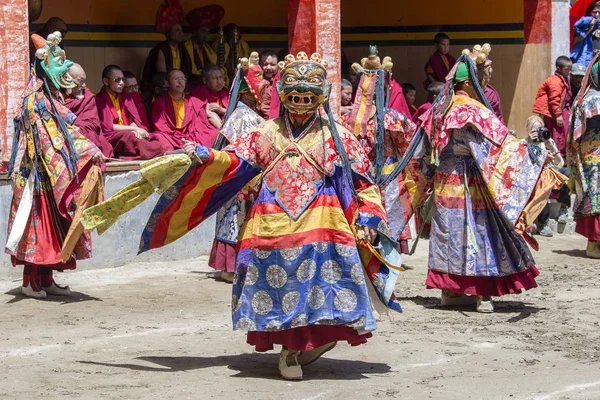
(163, 331)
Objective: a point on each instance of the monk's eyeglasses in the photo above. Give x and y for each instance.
(117, 80)
(131, 88)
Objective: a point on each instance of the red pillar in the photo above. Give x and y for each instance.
(537, 24)
(14, 61)
(314, 25)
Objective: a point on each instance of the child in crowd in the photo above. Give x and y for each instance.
(553, 102)
(433, 89)
(346, 97)
(410, 94)
(440, 62)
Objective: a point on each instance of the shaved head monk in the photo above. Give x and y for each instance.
(176, 117)
(213, 91)
(123, 119)
(82, 103)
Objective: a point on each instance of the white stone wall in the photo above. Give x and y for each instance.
(119, 245)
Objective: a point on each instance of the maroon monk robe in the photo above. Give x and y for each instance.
(88, 121)
(420, 111)
(146, 85)
(440, 70)
(202, 93)
(264, 109)
(125, 144)
(195, 127)
(275, 102)
(438, 67)
(397, 100)
(494, 98)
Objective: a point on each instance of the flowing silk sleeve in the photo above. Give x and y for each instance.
(409, 191)
(550, 179)
(198, 194)
(371, 212)
(510, 170)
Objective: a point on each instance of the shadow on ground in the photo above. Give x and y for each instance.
(262, 366)
(75, 297)
(579, 253)
(524, 310)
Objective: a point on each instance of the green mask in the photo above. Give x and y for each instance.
(53, 60)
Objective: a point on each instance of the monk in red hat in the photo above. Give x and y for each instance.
(198, 52)
(123, 119)
(167, 55)
(176, 117)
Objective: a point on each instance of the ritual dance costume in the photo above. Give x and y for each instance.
(299, 276)
(371, 121)
(484, 183)
(247, 87)
(583, 158)
(55, 178)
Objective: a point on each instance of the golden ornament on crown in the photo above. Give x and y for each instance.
(302, 58)
(480, 55)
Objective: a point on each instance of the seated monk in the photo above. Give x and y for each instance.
(123, 119)
(198, 53)
(160, 87)
(166, 55)
(81, 102)
(176, 117)
(131, 83)
(213, 91)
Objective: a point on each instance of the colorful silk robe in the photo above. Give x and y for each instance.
(231, 216)
(584, 154)
(399, 131)
(298, 261)
(48, 186)
(482, 178)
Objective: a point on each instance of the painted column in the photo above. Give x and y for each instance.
(533, 60)
(315, 25)
(14, 61)
(560, 28)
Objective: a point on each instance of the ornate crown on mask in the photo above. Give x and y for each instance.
(373, 62)
(302, 58)
(53, 60)
(480, 56)
(303, 86)
(253, 76)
